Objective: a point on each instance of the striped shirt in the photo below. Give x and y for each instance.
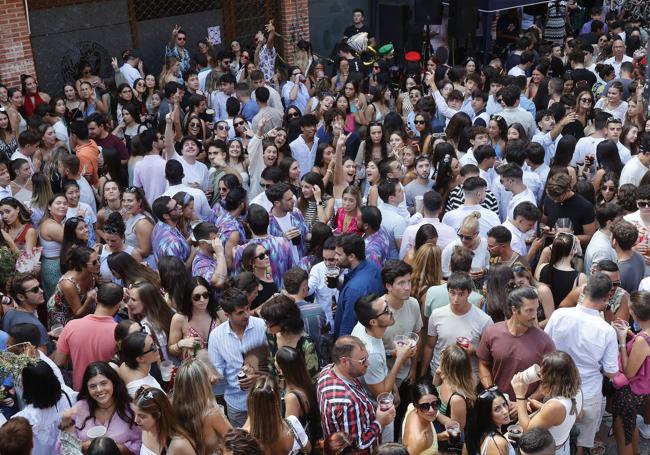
(456, 198)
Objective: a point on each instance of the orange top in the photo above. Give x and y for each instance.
(88, 155)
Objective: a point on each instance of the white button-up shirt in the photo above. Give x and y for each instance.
(304, 155)
(590, 341)
(322, 294)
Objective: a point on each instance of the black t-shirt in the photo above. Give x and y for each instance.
(579, 210)
(582, 75)
(351, 30)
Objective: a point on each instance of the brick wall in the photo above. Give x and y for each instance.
(294, 26)
(16, 55)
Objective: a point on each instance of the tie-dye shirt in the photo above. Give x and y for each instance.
(227, 225)
(203, 265)
(280, 254)
(168, 241)
(378, 247)
(297, 221)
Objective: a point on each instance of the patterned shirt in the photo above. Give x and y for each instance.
(227, 225)
(280, 254)
(203, 265)
(378, 247)
(267, 62)
(175, 52)
(345, 406)
(168, 241)
(297, 221)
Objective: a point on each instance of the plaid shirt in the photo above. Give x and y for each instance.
(345, 406)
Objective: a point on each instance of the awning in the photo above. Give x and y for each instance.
(491, 6)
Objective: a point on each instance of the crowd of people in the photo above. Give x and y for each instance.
(384, 255)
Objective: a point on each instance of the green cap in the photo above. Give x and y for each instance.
(386, 49)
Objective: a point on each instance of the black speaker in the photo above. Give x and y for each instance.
(428, 12)
(393, 23)
(463, 18)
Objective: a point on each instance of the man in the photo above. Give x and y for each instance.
(562, 202)
(600, 245)
(478, 136)
(580, 75)
(28, 142)
(525, 64)
(375, 316)
(269, 176)
(422, 183)
(173, 97)
(363, 278)
(132, 68)
(358, 26)
(396, 276)
(295, 92)
(297, 288)
(5, 181)
(619, 56)
(524, 218)
(166, 239)
(51, 117)
(99, 131)
(614, 131)
(285, 220)
(486, 158)
(535, 156)
(219, 98)
(479, 113)
(638, 165)
(265, 53)
(536, 441)
(149, 172)
(511, 177)
(431, 205)
(456, 196)
(391, 169)
(195, 173)
(303, 148)
(231, 230)
(343, 402)
(275, 101)
(550, 132)
(459, 318)
(71, 171)
(511, 346)
(392, 195)
(619, 298)
(275, 116)
(174, 176)
(86, 150)
(626, 77)
(512, 113)
(28, 295)
(498, 245)
(474, 189)
(228, 344)
(379, 243)
(630, 262)
(586, 146)
(209, 261)
(176, 48)
(16, 436)
(324, 296)
(91, 338)
(593, 345)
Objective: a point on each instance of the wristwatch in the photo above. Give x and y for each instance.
(322, 204)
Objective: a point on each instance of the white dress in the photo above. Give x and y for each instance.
(149, 381)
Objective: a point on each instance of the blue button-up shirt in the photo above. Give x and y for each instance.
(226, 352)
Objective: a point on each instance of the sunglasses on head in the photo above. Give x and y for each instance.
(197, 297)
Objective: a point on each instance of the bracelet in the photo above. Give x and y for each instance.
(521, 398)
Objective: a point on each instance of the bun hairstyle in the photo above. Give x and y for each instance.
(115, 224)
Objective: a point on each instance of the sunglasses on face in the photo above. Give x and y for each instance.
(194, 125)
(197, 297)
(239, 124)
(293, 115)
(223, 127)
(261, 256)
(466, 237)
(35, 289)
(643, 204)
(386, 311)
(419, 122)
(424, 407)
(153, 348)
(95, 262)
(361, 361)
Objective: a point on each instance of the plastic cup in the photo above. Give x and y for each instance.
(96, 432)
(531, 374)
(401, 341)
(463, 342)
(419, 202)
(166, 368)
(453, 429)
(413, 338)
(385, 401)
(515, 432)
(332, 277)
(56, 330)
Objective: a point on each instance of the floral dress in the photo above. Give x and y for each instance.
(58, 309)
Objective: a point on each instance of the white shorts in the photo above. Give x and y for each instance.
(589, 423)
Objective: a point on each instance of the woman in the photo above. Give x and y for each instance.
(146, 305)
(426, 234)
(373, 147)
(584, 108)
(517, 132)
(124, 97)
(280, 138)
(498, 284)
(613, 103)
(261, 155)
(131, 272)
(285, 328)
(291, 174)
(112, 170)
(498, 134)
(456, 132)
(111, 203)
(469, 237)
(33, 97)
(338, 81)
(446, 171)
(427, 272)
(345, 220)
(356, 100)
(171, 72)
(161, 433)
(403, 103)
(114, 238)
(237, 161)
(609, 161)
(299, 394)
(15, 109)
(324, 162)
(457, 392)
(418, 432)
(75, 293)
(563, 156)
(17, 224)
(379, 107)
(524, 277)
(408, 165)
(49, 141)
(174, 280)
(632, 391)
(196, 408)
(560, 381)
(198, 315)
(314, 203)
(241, 130)
(370, 194)
(343, 103)
(535, 82)
(73, 103)
(103, 400)
(492, 415)
(50, 236)
(608, 188)
(186, 203)
(45, 399)
(193, 125)
(255, 259)
(8, 139)
(130, 125)
(151, 87)
(275, 434)
(54, 170)
(138, 352)
(75, 233)
(422, 123)
(559, 273)
(139, 222)
(634, 115)
(397, 141)
(630, 138)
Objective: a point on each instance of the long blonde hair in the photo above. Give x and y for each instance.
(264, 410)
(427, 271)
(456, 367)
(193, 399)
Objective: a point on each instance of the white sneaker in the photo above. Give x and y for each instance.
(643, 428)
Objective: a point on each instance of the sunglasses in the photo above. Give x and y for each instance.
(434, 405)
(144, 393)
(466, 237)
(643, 204)
(616, 283)
(586, 100)
(176, 207)
(361, 361)
(95, 262)
(239, 124)
(614, 120)
(386, 311)
(180, 39)
(197, 297)
(223, 127)
(261, 256)
(194, 125)
(34, 290)
(419, 122)
(153, 348)
(293, 115)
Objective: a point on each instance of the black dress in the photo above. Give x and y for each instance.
(268, 289)
(560, 281)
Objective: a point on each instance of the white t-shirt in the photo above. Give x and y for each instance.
(524, 196)
(633, 172)
(407, 319)
(194, 173)
(599, 248)
(518, 242)
(481, 258)
(487, 221)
